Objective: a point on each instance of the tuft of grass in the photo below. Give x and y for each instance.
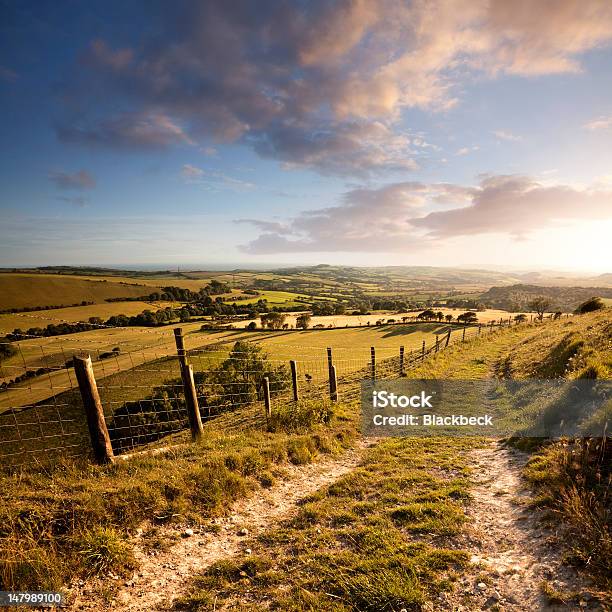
(104, 549)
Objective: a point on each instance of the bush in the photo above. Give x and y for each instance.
(591, 305)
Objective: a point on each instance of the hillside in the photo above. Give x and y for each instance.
(517, 297)
(39, 290)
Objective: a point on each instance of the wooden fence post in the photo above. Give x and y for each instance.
(191, 403)
(98, 432)
(333, 384)
(479, 326)
(191, 396)
(294, 380)
(180, 346)
(267, 402)
(437, 343)
(463, 336)
(423, 350)
(447, 338)
(401, 362)
(373, 362)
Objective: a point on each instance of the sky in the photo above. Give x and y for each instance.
(250, 133)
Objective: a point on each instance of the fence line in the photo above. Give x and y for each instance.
(186, 389)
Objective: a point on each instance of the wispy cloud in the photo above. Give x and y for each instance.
(78, 180)
(467, 150)
(213, 178)
(600, 124)
(506, 135)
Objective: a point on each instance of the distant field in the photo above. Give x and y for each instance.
(42, 318)
(485, 316)
(276, 298)
(30, 290)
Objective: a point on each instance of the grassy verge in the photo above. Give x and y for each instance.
(75, 519)
(573, 478)
(380, 538)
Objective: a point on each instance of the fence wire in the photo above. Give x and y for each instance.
(142, 393)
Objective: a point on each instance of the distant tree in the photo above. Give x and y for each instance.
(273, 320)
(303, 321)
(6, 348)
(520, 318)
(467, 317)
(449, 317)
(439, 315)
(539, 305)
(251, 326)
(591, 305)
(427, 315)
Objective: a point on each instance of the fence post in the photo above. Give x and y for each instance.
(463, 336)
(180, 346)
(401, 362)
(191, 403)
(294, 380)
(373, 362)
(437, 343)
(98, 432)
(267, 402)
(191, 396)
(333, 384)
(447, 338)
(479, 326)
(423, 350)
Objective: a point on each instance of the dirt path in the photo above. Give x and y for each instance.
(516, 552)
(163, 576)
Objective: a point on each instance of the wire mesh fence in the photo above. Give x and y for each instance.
(145, 399)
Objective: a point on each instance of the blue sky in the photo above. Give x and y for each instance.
(378, 132)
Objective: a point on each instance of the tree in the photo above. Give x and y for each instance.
(273, 320)
(303, 321)
(520, 318)
(439, 315)
(591, 305)
(449, 317)
(467, 317)
(427, 315)
(251, 326)
(539, 305)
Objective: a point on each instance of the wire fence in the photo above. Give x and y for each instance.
(153, 388)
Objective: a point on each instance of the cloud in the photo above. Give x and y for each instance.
(467, 150)
(79, 180)
(399, 217)
(319, 85)
(213, 178)
(141, 130)
(506, 135)
(599, 124)
(78, 201)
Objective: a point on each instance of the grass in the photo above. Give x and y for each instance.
(29, 290)
(75, 519)
(42, 318)
(352, 545)
(572, 478)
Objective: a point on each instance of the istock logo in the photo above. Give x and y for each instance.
(385, 399)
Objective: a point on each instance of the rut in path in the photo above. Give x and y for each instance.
(165, 576)
(516, 550)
